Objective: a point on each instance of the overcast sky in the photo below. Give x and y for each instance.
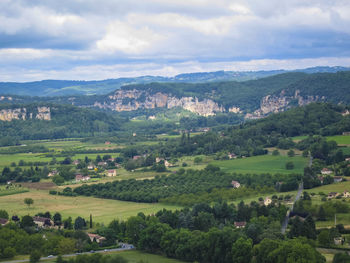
(99, 39)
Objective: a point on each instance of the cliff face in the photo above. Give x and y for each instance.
(41, 113)
(128, 100)
(277, 103)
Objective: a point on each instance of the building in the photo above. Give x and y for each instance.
(97, 238)
(232, 156)
(332, 195)
(235, 184)
(107, 143)
(338, 241)
(321, 178)
(3, 221)
(112, 172)
(52, 173)
(102, 164)
(240, 224)
(136, 157)
(346, 194)
(76, 162)
(347, 159)
(326, 171)
(91, 166)
(80, 177)
(42, 221)
(267, 201)
(337, 179)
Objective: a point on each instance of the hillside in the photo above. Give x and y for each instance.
(52, 121)
(71, 87)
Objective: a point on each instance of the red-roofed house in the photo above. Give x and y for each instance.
(96, 237)
(326, 171)
(112, 172)
(240, 224)
(235, 184)
(3, 221)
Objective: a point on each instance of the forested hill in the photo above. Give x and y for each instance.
(52, 121)
(70, 87)
(253, 98)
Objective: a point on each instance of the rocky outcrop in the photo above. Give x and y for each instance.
(41, 113)
(277, 103)
(129, 100)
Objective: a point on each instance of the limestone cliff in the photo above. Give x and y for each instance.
(128, 100)
(277, 103)
(40, 113)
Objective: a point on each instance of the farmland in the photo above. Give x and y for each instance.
(103, 210)
(263, 164)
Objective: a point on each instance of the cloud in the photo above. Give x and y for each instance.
(53, 39)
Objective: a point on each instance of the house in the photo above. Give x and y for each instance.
(337, 179)
(80, 177)
(52, 173)
(107, 143)
(3, 221)
(332, 195)
(136, 157)
(76, 162)
(338, 241)
(347, 159)
(42, 221)
(235, 184)
(302, 219)
(95, 237)
(112, 172)
(102, 164)
(111, 160)
(158, 159)
(346, 194)
(326, 171)
(91, 166)
(267, 201)
(321, 178)
(232, 156)
(240, 224)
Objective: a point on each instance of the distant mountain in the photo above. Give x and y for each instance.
(70, 87)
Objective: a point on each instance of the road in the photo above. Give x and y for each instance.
(300, 190)
(125, 247)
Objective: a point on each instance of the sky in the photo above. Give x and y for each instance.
(100, 39)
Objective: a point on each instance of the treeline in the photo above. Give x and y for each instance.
(183, 182)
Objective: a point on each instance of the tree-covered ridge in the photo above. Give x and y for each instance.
(334, 87)
(66, 121)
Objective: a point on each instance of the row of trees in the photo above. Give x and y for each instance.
(183, 182)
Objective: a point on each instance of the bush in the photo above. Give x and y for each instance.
(289, 165)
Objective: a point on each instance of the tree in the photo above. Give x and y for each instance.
(8, 252)
(242, 250)
(4, 214)
(322, 214)
(57, 179)
(27, 221)
(66, 246)
(57, 219)
(291, 153)
(341, 258)
(324, 238)
(28, 201)
(289, 165)
(35, 256)
(90, 221)
(79, 223)
(275, 152)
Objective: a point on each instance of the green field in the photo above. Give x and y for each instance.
(340, 139)
(103, 210)
(263, 164)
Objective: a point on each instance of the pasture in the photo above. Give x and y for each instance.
(102, 210)
(263, 164)
(340, 139)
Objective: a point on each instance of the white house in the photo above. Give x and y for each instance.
(235, 184)
(267, 201)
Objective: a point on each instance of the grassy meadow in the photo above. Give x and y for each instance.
(103, 210)
(340, 139)
(263, 164)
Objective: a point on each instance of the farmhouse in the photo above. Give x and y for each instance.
(91, 166)
(326, 171)
(338, 241)
(240, 224)
(346, 194)
(102, 163)
(3, 221)
(52, 173)
(232, 156)
(107, 143)
(337, 179)
(76, 162)
(80, 177)
(347, 159)
(136, 157)
(267, 201)
(97, 238)
(235, 184)
(112, 172)
(42, 221)
(332, 195)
